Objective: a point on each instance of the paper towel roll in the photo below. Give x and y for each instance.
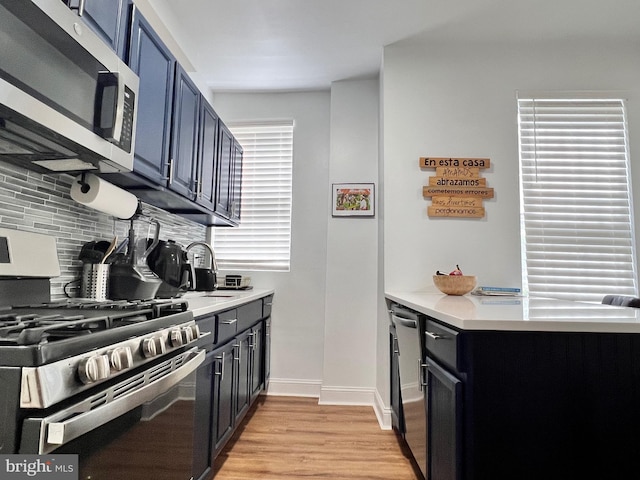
(94, 192)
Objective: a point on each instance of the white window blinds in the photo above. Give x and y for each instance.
(577, 223)
(263, 239)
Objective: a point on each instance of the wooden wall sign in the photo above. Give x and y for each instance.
(457, 190)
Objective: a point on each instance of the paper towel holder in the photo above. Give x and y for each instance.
(85, 187)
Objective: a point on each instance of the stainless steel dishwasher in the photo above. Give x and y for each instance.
(409, 327)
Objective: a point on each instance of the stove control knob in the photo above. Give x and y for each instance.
(93, 369)
(121, 358)
(153, 346)
(175, 338)
(195, 331)
(187, 335)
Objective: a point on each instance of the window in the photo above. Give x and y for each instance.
(263, 239)
(576, 209)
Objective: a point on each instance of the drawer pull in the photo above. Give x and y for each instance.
(229, 322)
(435, 336)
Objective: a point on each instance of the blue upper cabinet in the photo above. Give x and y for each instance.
(228, 176)
(184, 136)
(150, 58)
(178, 134)
(207, 156)
(224, 180)
(236, 181)
(107, 18)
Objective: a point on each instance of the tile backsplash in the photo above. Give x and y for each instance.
(41, 203)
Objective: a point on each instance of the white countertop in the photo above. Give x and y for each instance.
(470, 312)
(203, 303)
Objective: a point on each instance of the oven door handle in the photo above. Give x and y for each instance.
(76, 420)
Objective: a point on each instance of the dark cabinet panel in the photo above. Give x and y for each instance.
(108, 19)
(444, 423)
(249, 314)
(150, 58)
(184, 136)
(207, 156)
(225, 374)
(236, 182)
(258, 356)
(243, 394)
(226, 325)
(224, 183)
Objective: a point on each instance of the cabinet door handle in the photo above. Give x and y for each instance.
(79, 8)
(221, 372)
(422, 382)
(170, 171)
(435, 336)
(236, 348)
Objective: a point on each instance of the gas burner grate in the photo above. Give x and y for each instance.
(58, 320)
(31, 328)
(159, 305)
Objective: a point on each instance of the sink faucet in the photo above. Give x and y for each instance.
(214, 264)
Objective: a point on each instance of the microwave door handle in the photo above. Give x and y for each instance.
(110, 111)
(119, 110)
(62, 427)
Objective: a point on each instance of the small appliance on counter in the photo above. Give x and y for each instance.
(169, 261)
(204, 279)
(235, 282)
(130, 277)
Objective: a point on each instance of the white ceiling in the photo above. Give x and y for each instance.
(258, 45)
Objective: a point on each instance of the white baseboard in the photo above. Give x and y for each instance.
(294, 388)
(383, 413)
(346, 396)
(333, 396)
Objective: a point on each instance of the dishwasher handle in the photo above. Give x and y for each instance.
(405, 322)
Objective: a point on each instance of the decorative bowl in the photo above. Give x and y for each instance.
(454, 284)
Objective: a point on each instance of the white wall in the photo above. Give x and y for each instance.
(325, 309)
(352, 244)
(455, 99)
(299, 303)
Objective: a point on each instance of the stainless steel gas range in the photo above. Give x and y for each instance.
(112, 381)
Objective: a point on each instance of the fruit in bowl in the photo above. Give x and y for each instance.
(455, 283)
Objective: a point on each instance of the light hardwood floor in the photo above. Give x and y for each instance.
(288, 438)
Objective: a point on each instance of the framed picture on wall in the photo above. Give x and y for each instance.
(353, 199)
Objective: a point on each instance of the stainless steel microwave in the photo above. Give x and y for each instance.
(67, 101)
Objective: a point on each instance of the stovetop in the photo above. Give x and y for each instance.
(36, 334)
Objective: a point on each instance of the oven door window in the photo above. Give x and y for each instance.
(152, 441)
